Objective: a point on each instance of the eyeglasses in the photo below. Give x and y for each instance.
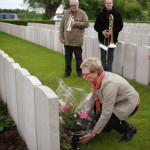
(73, 5)
(86, 74)
(108, 3)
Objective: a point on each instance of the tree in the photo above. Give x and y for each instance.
(142, 2)
(49, 6)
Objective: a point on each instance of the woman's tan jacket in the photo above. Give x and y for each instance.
(75, 36)
(116, 96)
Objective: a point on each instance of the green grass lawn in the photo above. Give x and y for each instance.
(47, 66)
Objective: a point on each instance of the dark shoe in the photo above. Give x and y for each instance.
(66, 75)
(80, 75)
(128, 134)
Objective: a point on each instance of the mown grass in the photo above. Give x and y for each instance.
(47, 66)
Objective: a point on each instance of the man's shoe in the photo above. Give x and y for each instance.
(66, 75)
(128, 134)
(80, 75)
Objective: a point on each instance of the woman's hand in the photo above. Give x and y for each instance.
(86, 138)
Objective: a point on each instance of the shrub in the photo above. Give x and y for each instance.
(5, 122)
(25, 22)
(144, 16)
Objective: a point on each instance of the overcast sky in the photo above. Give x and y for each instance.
(12, 4)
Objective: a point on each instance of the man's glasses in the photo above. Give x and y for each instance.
(108, 3)
(73, 5)
(86, 74)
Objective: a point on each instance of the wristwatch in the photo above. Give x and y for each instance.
(93, 134)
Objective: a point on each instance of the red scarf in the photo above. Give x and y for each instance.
(96, 87)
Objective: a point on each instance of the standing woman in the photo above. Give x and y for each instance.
(114, 98)
(104, 34)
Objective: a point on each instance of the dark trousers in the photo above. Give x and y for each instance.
(107, 63)
(68, 58)
(114, 123)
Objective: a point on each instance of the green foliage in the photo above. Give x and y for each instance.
(143, 3)
(3, 108)
(132, 11)
(73, 123)
(30, 16)
(5, 122)
(49, 6)
(119, 6)
(15, 11)
(65, 140)
(144, 16)
(25, 22)
(91, 7)
(129, 9)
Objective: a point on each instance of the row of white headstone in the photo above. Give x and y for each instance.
(32, 106)
(130, 55)
(131, 33)
(132, 62)
(126, 53)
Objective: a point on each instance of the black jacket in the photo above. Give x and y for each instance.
(102, 23)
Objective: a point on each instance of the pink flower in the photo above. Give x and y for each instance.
(84, 115)
(71, 104)
(67, 108)
(79, 113)
(63, 109)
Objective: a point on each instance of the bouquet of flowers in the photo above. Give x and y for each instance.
(74, 124)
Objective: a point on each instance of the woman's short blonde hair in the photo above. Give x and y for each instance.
(93, 64)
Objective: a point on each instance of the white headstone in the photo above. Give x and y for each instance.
(11, 91)
(117, 66)
(2, 76)
(47, 118)
(20, 92)
(129, 63)
(143, 65)
(29, 111)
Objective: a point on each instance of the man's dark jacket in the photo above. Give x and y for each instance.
(102, 23)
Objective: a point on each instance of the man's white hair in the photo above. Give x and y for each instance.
(74, 0)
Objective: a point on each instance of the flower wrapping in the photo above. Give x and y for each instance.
(74, 123)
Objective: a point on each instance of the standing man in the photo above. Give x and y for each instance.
(75, 20)
(104, 34)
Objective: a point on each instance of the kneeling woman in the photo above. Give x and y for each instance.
(114, 98)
